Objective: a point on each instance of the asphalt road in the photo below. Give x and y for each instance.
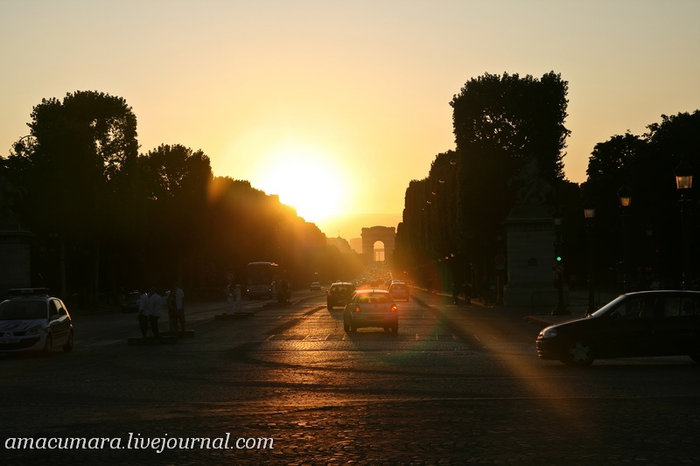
(287, 386)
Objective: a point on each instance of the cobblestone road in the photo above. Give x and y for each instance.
(456, 386)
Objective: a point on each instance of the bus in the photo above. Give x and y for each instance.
(260, 279)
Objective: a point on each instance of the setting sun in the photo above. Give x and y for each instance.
(304, 178)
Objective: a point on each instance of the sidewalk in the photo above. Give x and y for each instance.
(576, 307)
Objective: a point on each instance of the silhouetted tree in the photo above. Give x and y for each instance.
(650, 228)
(500, 124)
(176, 181)
(74, 175)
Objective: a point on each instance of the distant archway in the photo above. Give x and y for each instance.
(385, 235)
(379, 251)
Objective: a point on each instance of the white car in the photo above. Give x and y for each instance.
(399, 290)
(371, 308)
(30, 320)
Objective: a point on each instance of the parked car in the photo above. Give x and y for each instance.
(31, 320)
(371, 308)
(399, 290)
(129, 302)
(339, 294)
(646, 323)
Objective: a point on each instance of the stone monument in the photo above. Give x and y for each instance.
(530, 238)
(15, 245)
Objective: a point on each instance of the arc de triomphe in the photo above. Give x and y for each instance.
(371, 235)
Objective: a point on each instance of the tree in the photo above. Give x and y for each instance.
(75, 167)
(651, 226)
(175, 181)
(501, 124)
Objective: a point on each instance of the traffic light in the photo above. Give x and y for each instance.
(558, 256)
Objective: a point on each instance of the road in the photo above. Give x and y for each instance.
(287, 386)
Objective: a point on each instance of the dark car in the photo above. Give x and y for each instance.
(339, 294)
(371, 308)
(31, 320)
(399, 290)
(129, 302)
(645, 323)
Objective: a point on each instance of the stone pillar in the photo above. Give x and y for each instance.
(530, 240)
(15, 253)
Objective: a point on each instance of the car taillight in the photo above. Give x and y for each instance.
(394, 308)
(357, 308)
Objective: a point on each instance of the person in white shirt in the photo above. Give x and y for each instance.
(155, 309)
(179, 309)
(143, 313)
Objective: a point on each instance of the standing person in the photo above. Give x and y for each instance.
(155, 309)
(179, 309)
(238, 303)
(172, 311)
(143, 313)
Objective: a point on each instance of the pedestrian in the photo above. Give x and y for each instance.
(179, 309)
(155, 309)
(172, 310)
(143, 313)
(237, 299)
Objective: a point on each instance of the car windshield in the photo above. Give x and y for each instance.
(374, 298)
(611, 305)
(342, 289)
(23, 310)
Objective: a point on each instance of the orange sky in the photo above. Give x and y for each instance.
(357, 93)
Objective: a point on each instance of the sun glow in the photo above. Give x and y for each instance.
(304, 178)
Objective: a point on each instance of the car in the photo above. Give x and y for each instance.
(644, 323)
(399, 290)
(129, 302)
(315, 286)
(31, 320)
(339, 294)
(371, 308)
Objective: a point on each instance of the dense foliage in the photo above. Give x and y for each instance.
(454, 217)
(105, 218)
(510, 137)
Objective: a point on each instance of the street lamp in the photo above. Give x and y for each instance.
(624, 195)
(589, 216)
(684, 176)
(684, 183)
(559, 267)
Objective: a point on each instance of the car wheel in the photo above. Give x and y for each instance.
(346, 325)
(69, 343)
(48, 345)
(579, 353)
(329, 306)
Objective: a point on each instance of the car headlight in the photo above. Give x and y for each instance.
(549, 332)
(37, 330)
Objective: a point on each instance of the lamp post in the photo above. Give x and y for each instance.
(589, 216)
(684, 183)
(624, 195)
(559, 267)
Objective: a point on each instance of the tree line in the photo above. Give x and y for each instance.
(105, 218)
(510, 142)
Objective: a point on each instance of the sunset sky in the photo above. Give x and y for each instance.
(337, 105)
